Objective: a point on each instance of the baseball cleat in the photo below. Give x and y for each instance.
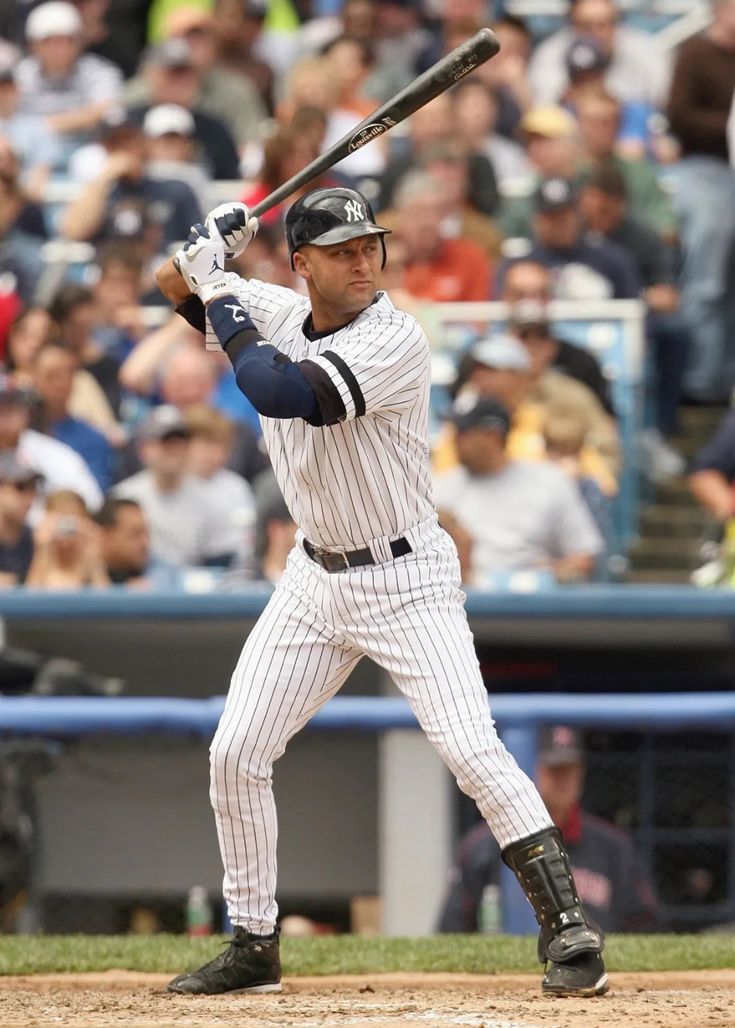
(250, 963)
(584, 976)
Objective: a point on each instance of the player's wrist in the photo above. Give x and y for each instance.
(209, 291)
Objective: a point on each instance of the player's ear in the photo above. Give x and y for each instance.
(301, 265)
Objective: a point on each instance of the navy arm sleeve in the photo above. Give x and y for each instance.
(275, 385)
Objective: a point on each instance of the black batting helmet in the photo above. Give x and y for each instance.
(326, 216)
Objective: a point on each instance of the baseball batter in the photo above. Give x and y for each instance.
(341, 381)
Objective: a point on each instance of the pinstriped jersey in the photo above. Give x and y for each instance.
(367, 475)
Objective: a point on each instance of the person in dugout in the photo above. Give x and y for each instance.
(605, 864)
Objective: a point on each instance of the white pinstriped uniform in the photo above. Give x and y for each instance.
(362, 482)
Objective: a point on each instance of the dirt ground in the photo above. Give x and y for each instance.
(704, 999)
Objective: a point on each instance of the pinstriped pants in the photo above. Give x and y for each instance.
(408, 616)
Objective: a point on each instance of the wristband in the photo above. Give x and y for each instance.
(229, 318)
(209, 291)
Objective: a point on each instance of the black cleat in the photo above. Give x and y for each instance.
(582, 976)
(250, 963)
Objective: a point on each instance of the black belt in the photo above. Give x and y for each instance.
(340, 560)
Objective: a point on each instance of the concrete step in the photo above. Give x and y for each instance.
(661, 520)
(668, 553)
(701, 419)
(675, 492)
(657, 576)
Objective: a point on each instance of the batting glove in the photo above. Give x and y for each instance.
(234, 225)
(201, 262)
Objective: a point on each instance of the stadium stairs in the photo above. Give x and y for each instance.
(673, 525)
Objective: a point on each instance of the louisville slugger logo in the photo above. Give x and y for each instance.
(365, 135)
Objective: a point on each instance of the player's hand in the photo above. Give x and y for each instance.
(201, 262)
(234, 225)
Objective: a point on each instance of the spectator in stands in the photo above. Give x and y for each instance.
(59, 81)
(275, 529)
(583, 267)
(606, 867)
(605, 207)
(448, 164)
(177, 505)
(699, 105)
(430, 125)
(54, 369)
(226, 95)
(458, 19)
(475, 111)
(549, 135)
(169, 75)
(212, 437)
(507, 74)
(599, 116)
(98, 401)
(238, 25)
(712, 475)
(29, 136)
(33, 327)
(267, 258)
(521, 376)
(109, 30)
(20, 249)
(565, 434)
(125, 543)
(119, 293)
(170, 364)
(527, 288)
(349, 63)
(61, 467)
(539, 521)
(287, 151)
(439, 268)
(172, 150)
(18, 488)
(124, 202)
(640, 130)
(638, 67)
(66, 546)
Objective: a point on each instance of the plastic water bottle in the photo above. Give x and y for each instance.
(488, 915)
(198, 912)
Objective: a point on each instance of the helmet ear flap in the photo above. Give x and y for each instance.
(385, 253)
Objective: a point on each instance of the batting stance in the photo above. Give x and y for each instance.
(341, 381)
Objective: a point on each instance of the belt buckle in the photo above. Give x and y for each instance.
(331, 560)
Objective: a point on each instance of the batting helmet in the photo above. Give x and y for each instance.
(326, 216)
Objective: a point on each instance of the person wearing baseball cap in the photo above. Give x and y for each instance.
(19, 484)
(584, 266)
(539, 521)
(58, 80)
(607, 868)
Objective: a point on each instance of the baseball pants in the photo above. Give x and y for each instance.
(408, 616)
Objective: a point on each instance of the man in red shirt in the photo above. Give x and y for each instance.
(440, 267)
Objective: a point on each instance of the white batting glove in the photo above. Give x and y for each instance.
(234, 225)
(201, 262)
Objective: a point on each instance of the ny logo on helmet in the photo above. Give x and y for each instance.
(354, 211)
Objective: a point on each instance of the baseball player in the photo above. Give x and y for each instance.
(341, 381)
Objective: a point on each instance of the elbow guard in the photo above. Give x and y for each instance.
(270, 380)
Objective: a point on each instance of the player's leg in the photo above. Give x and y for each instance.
(289, 667)
(421, 637)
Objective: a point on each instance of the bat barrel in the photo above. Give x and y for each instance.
(437, 79)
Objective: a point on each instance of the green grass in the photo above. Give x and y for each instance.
(350, 954)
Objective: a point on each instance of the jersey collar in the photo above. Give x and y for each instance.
(308, 326)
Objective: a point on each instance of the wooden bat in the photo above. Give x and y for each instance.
(450, 69)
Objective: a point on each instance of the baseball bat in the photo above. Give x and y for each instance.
(438, 78)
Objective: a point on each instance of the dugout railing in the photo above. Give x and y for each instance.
(414, 817)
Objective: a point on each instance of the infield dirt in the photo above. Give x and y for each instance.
(697, 999)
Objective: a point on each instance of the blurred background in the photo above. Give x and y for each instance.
(563, 228)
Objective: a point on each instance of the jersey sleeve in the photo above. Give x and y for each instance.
(263, 301)
(377, 366)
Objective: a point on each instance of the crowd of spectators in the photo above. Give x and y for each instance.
(586, 164)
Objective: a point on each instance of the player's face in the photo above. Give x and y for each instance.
(560, 787)
(342, 277)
